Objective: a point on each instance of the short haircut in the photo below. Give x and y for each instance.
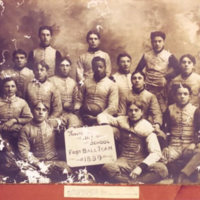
(156, 34)
(98, 58)
(43, 63)
(5, 80)
(123, 55)
(178, 86)
(65, 58)
(19, 51)
(191, 57)
(45, 28)
(37, 102)
(140, 72)
(136, 102)
(92, 32)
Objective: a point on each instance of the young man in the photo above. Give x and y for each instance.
(188, 77)
(68, 90)
(151, 110)
(98, 94)
(45, 51)
(41, 89)
(23, 75)
(14, 112)
(180, 122)
(160, 66)
(140, 150)
(37, 140)
(123, 76)
(84, 63)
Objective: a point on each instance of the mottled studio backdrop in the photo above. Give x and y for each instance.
(125, 25)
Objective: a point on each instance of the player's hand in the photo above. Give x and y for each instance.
(156, 127)
(166, 153)
(136, 172)
(124, 168)
(15, 128)
(10, 122)
(189, 149)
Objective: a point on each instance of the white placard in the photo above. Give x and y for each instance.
(90, 146)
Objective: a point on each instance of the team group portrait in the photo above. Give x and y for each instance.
(100, 91)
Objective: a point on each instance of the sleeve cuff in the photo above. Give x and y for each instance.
(81, 83)
(162, 142)
(143, 166)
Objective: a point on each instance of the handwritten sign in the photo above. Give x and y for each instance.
(90, 146)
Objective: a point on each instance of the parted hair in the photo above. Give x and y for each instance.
(45, 28)
(5, 80)
(92, 32)
(124, 54)
(65, 58)
(140, 72)
(191, 57)
(19, 51)
(156, 34)
(178, 86)
(36, 103)
(43, 63)
(135, 102)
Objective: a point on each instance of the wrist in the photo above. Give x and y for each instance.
(81, 82)
(143, 166)
(16, 120)
(157, 124)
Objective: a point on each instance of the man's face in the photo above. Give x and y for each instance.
(187, 66)
(134, 113)
(40, 112)
(93, 41)
(9, 88)
(65, 68)
(125, 64)
(40, 73)
(158, 44)
(138, 81)
(45, 37)
(183, 96)
(20, 60)
(99, 69)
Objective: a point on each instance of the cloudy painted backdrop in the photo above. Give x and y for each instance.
(125, 25)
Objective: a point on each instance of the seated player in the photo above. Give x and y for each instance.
(23, 75)
(181, 153)
(14, 112)
(140, 150)
(41, 89)
(189, 77)
(152, 111)
(37, 140)
(99, 94)
(68, 90)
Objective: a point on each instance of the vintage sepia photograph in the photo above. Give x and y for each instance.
(100, 91)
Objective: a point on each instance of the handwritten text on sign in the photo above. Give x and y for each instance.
(90, 146)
